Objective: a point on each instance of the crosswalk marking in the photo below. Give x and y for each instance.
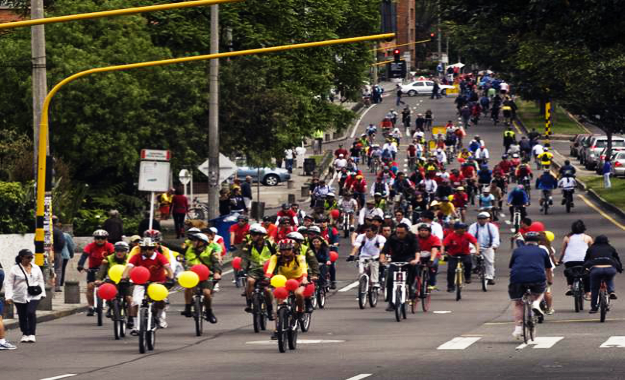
(542, 342)
(459, 343)
(614, 341)
(349, 287)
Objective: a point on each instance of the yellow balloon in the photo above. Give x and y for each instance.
(157, 292)
(115, 272)
(550, 236)
(188, 279)
(278, 281)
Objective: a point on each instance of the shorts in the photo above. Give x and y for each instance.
(137, 295)
(516, 291)
(208, 284)
(256, 273)
(91, 275)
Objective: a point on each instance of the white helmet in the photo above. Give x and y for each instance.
(258, 229)
(202, 237)
(295, 236)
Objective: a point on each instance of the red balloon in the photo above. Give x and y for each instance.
(202, 271)
(140, 275)
(280, 293)
(265, 266)
(335, 214)
(107, 291)
(334, 256)
(537, 227)
(309, 290)
(291, 285)
(236, 263)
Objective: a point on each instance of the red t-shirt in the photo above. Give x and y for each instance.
(456, 178)
(280, 233)
(428, 243)
(239, 232)
(155, 265)
(505, 165)
(289, 214)
(340, 151)
(458, 245)
(460, 200)
(468, 171)
(97, 253)
(180, 204)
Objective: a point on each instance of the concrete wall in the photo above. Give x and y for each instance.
(10, 245)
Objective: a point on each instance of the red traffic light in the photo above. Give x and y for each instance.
(432, 35)
(396, 55)
(396, 51)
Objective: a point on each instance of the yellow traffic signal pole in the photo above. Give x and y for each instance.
(43, 126)
(111, 13)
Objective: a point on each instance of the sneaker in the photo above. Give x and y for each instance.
(550, 311)
(57, 289)
(134, 332)
(568, 293)
(593, 311)
(537, 309)
(209, 316)
(270, 315)
(432, 287)
(32, 339)
(248, 309)
(7, 346)
(517, 333)
(333, 285)
(491, 282)
(109, 313)
(216, 288)
(162, 323)
(130, 324)
(90, 312)
(25, 339)
(613, 296)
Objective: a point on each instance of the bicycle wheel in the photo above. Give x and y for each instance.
(321, 297)
(150, 333)
(403, 310)
(526, 332)
(603, 304)
(98, 309)
(426, 295)
(459, 282)
(292, 331)
(362, 291)
(304, 324)
(143, 321)
(373, 296)
(196, 213)
(483, 279)
(117, 320)
(282, 327)
(414, 301)
(197, 315)
(256, 313)
(531, 324)
(397, 305)
(263, 313)
(122, 318)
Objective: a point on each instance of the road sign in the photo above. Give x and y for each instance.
(154, 176)
(226, 168)
(155, 155)
(397, 69)
(184, 176)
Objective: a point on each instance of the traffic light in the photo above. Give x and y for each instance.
(432, 35)
(396, 55)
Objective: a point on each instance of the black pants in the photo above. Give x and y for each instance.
(179, 224)
(65, 262)
(451, 268)
(27, 313)
(569, 278)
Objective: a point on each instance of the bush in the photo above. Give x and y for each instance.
(17, 208)
(88, 220)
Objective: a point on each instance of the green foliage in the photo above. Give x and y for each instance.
(532, 117)
(88, 220)
(16, 208)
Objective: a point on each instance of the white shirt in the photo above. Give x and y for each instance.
(504, 86)
(390, 147)
(430, 185)
(370, 247)
(487, 235)
(348, 206)
(482, 153)
(537, 150)
(385, 189)
(340, 163)
(437, 230)
(406, 221)
(365, 212)
(288, 154)
(567, 183)
(15, 287)
(441, 157)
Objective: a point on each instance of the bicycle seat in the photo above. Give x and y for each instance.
(399, 263)
(576, 271)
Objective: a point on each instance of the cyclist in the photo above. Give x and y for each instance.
(119, 258)
(369, 211)
(486, 200)
(487, 235)
(546, 182)
(530, 267)
(537, 150)
(567, 168)
(508, 138)
(457, 246)
(545, 157)
(568, 184)
(574, 247)
(253, 257)
(292, 266)
(459, 200)
(160, 271)
(517, 198)
(447, 211)
(380, 201)
(238, 233)
(95, 252)
(402, 246)
(430, 247)
(170, 255)
(523, 173)
(349, 206)
(368, 246)
(359, 189)
(603, 262)
(301, 247)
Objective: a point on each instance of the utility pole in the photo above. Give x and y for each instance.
(375, 67)
(213, 119)
(40, 85)
(438, 35)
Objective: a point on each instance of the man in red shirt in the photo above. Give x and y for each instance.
(504, 164)
(238, 232)
(460, 200)
(284, 228)
(95, 252)
(456, 178)
(430, 247)
(340, 151)
(458, 246)
(287, 212)
(359, 189)
(160, 272)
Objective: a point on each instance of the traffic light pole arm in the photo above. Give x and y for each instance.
(116, 12)
(43, 126)
(409, 43)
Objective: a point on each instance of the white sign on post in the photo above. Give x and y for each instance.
(226, 168)
(155, 155)
(154, 176)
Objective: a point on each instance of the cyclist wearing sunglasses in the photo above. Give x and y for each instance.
(95, 252)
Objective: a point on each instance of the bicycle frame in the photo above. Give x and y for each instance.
(399, 282)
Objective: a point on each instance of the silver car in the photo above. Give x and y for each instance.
(599, 167)
(618, 164)
(576, 144)
(268, 176)
(594, 147)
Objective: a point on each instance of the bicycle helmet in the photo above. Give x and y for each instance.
(193, 230)
(295, 236)
(302, 230)
(504, 156)
(460, 226)
(258, 229)
(532, 236)
(149, 243)
(155, 235)
(459, 188)
(483, 215)
(100, 233)
(213, 230)
(314, 229)
(121, 246)
(330, 195)
(285, 206)
(286, 244)
(242, 218)
(424, 226)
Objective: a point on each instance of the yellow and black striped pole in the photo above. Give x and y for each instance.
(547, 120)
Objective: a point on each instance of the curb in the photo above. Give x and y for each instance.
(49, 317)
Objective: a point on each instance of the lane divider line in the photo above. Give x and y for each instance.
(608, 217)
(359, 120)
(349, 287)
(360, 377)
(60, 376)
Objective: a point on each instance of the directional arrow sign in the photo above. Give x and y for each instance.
(542, 342)
(226, 168)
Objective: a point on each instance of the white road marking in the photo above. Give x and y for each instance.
(542, 342)
(441, 311)
(359, 120)
(458, 343)
(227, 272)
(349, 287)
(360, 377)
(299, 341)
(60, 376)
(614, 341)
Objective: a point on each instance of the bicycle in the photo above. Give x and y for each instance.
(147, 323)
(321, 289)
(545, 202)
(568, 199)
(422, 289)
(198, 309)
(259, 306)
(198, 210)
(119, 311)
(98, 306)
(345, 223)
(400, 290)
(578, 273)
(604, 300)
(529, 318)
(287, 324)
(367, 290)
(516, 219)
(459, 279)
(481, 271)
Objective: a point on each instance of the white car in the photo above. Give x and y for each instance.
(423, 87)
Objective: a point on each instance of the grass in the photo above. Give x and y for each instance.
(613, 195)
(532, 118)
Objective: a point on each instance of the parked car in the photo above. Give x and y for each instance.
(576, 143)
(602, 155)
(618, 164)
(268, 176)
(595, 145)
(423, 87)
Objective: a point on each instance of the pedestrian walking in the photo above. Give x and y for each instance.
(224, 202)
(4, 345)
(25, 287)
(246, 191)
(289, 157)
(114, 225)
(57, 247)
(67, 254)
(318, 136)
(180, 208)
(398, 100)
(435, 91)
(607, 168)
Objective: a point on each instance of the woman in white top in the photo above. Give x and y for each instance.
(21, 276)
(574, 248)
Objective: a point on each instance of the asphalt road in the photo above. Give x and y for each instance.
(469, 339)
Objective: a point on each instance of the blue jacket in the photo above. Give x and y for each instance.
(546, 182)
(607, 166)
(518, 197)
